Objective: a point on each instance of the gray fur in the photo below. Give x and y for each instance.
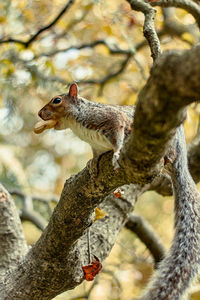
(180, 267)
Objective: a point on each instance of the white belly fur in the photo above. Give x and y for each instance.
(96, 139)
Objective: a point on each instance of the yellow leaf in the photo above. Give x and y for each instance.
(22, 4)
(99, 214)
(131, 100)
(188, 37)
(102, 50)
(7, 67)
(2, 19)
(29, 15)
(50, 66)
(107, 29)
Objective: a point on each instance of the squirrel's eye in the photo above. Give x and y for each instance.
(57, 100)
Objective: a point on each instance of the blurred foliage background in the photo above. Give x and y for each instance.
(100, 45)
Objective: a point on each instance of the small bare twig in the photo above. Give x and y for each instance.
(92, 44)
(109, 76)
(149, 28)
(34, 36)
(190, 6)
(175, 28)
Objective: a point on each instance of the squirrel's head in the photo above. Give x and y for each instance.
(54, 114)
(58, 106)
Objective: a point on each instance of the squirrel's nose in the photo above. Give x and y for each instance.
(40, 114)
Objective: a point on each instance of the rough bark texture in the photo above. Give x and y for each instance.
(13, 245)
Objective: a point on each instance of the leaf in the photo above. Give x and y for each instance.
(50, 66)
(99, 214)
(118, 193)
(188, 37)
(90, 271)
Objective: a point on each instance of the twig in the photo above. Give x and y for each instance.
(149, 28)
(83, 46)
(190, 6)
(109, 76)
(34, 36)
(88, 244)
(146, 234)
(176, 28)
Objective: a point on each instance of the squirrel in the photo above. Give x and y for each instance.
(103, 126)
(181, 265)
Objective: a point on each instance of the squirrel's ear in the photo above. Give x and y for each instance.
(73, 90)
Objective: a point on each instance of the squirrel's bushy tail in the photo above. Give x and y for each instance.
(180, 266)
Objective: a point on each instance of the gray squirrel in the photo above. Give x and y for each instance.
(105, 127)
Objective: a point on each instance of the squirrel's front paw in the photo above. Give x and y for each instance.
(115, 161)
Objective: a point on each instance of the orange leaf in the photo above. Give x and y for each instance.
(118, 193)
(90, 271)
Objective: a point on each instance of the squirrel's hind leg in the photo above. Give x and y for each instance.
(118, 141)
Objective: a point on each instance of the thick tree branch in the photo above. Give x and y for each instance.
(146, 234)
(39, 264)
(44, 28)
(13, 245)
(155, 119)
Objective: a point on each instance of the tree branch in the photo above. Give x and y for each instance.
(13, 244)
(149, 28)
(155, 120)
(146, 234)
(92, 44)
(175, 28)
(109, 76)
(35, 36)
(41, 263)
(190, 6)
(28, 213)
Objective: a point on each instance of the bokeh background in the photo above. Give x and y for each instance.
(112, 70)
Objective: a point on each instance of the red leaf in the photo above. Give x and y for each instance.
(90, 271)
(117, 193)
